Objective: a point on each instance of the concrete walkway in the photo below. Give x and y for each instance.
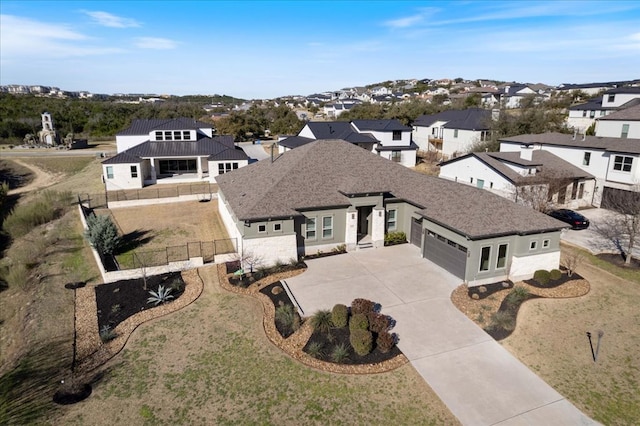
(255, 152)
(478, 379)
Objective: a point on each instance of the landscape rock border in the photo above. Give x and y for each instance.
(294, 344)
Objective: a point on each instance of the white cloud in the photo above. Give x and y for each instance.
(24, 37)
(155, 43)
(408, 21)
(107, 19)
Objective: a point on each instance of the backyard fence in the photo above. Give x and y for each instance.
(205, 189)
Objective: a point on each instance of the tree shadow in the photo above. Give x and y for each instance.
(133, 240)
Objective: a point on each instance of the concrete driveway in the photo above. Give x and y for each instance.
(254, 152)
(600, 237)
(479, 380)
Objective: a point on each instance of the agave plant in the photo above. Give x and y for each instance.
(162, 295)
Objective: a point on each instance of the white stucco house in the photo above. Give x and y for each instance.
(582, 116)
(169, 151)
(536, 178)
(329, 193)
(624, 123)
(389, 139)
(613, 162)
(452, 132)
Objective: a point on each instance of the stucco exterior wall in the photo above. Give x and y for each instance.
(122, 178)
(271, 250)
(461, 144)
(407, 157)
(125, 142)
(213, 169)
(613, 129)
(469, 168)
(523, 267)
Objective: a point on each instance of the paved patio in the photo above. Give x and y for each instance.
(479, 380)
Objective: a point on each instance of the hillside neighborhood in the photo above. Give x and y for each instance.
(415, 217)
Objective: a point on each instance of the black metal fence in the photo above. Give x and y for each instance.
(163, 256)
(205, 189)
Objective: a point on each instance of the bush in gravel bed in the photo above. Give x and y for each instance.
(555, 274)
(339, 315)
(361, 341)
(321, 321)
(316, 349)
(362, 306)
(339, 353)
(385, 341)
(358, 322)
(378, 322)
(542, 276)
(517, 294)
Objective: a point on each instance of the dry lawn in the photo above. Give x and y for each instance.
(551, 339)
(224, 371)
(166, 225)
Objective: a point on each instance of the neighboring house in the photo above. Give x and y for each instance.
(169, 151)
(533, 177)
(330, 193)
(590, 89)
(388, 138)
(453, 131)
(623, 124)
(582, 116)
(508, 96)
(335, 109)
(614, 162)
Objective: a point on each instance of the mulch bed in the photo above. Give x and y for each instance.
(511, 309)
(339, 336)
(484, 291)
(119, 300)
(278, 299)
(554, 283)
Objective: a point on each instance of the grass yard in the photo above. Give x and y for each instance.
(211, 363)
(167, 225)
(551, 340)
(64, 165)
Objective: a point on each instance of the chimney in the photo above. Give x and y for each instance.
(526, 152)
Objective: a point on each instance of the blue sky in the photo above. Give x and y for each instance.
(264, 49)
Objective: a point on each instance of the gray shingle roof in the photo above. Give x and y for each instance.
(319, 174)
(218, 148)
(630, 113)
(338, 130)
(144, 126)
(380, 125)
(631, 146)
(467, 119)
(295, 141)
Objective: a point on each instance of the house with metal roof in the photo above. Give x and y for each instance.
(614, 162)
(331, 193)
(536, 178)
(584, 115)
(170, 151)
(452, 132)
(389, 139)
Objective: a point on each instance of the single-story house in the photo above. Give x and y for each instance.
(170, 151)
(536, 178)
(330, 193)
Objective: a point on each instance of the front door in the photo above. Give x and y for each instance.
(480, 183)
(363, 220)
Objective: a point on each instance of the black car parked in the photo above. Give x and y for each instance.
(576, 220)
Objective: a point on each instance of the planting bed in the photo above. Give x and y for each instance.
(279, 297)
(338, 336)
(118, 301)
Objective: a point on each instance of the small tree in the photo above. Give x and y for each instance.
(623, 226)
(571, 260)
(102, 234)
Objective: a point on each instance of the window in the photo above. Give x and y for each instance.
(327, 227)
(491, 185)
(277, 227)
(397, 135)
(545, 243)
(625, 131)
(226, 167)
(177, 135)
(471, 180)
(455, 133)
(584, 113)
(533, 245)
(311, 228)
(502, 256)
(158, 136)
(395, 156)
(171, 167)
(592, 114)
(484, 135)
(186, 135)
(109, 172)
(580, 190)
(485, 253)
(392, 220)
(262, 228)
(611, 98)
(622, 163)
(167, 135)
(587, 159)
(134, 171)
(574, 190)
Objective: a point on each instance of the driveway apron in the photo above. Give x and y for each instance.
(476, 377)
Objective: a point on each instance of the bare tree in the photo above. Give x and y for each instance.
(571, 260)
(622, 227)
(539, 192)
(249, 260)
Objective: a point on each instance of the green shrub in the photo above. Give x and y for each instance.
(339, 353)
(518, 294)
(502, 319)
(362, 306)
(321, 321)
(378, 322)
(315, 349)
(287, 318)
(358, 322)
(392, 238)
(555, 274)
(385, 341)
(177, 285)
(541, 276)
(106, 333)
(102, 234)
(49, 206)
(160, 296)
(339, 315)
(16, 276)
(361, 341)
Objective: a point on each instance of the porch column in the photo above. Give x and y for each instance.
(154, 176)
(199, 164)
(377, 226)
(351, 229)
